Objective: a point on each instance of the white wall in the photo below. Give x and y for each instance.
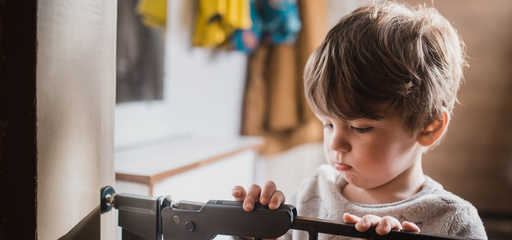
(75, 113)
(203, 88)
(337, 9)
(290, 168)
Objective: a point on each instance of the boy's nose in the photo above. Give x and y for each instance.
(339, 141)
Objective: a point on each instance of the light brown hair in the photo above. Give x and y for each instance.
(410, 59)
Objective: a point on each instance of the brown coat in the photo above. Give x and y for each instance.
(275, 106)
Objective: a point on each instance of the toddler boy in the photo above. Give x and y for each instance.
(384, 83)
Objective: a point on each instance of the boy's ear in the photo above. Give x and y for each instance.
(433, 131)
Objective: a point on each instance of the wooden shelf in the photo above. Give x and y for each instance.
(151, 164)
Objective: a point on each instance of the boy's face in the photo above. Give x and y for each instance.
(369, 152)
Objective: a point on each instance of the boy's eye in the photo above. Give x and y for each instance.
(327, 126)
(361, 130)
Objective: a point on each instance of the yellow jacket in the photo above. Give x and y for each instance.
(217, 19)
(153, 12)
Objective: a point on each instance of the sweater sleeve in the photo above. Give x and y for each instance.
(466, 222)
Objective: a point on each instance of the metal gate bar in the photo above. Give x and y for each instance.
(151, 218)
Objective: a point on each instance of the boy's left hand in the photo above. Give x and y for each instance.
(383, 224)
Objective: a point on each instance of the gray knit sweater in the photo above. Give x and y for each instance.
(433, 209)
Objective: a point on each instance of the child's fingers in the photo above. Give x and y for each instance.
(383, 225)
(367, 222)
(386, 224)
(276, 200)
(349, 218)
(411, 227)
(251, 197)
(268, 190)
(238, 193)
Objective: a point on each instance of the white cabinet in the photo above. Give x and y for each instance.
(195, 169)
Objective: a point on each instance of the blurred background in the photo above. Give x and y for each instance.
(475, 159)
(248, 82)
(188, 98)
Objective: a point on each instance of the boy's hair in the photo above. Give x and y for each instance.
(409, 60)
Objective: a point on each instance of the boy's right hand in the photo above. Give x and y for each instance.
(269, 195)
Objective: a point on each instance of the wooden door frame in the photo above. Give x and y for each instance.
(18, 133)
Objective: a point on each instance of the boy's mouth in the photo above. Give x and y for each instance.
(341, 166)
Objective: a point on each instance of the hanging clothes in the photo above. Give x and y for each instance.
(275, 106)
(153, 12)
(274, 21)
(216, 21)
(248, 40)
(281, 20)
